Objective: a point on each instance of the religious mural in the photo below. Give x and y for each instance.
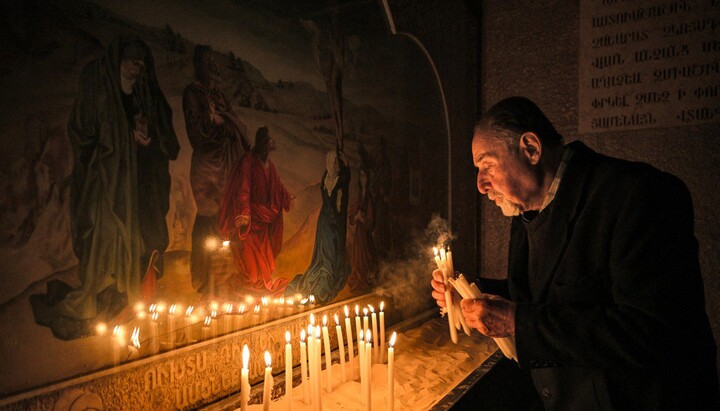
(201, 151)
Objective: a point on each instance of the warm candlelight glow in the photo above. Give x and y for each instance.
(362, 335)
(153, 307)
(172, 309)
(213, 313)
(141, 315)
(241, 308)
(256, 309)
(214, 306)
(268, 359)
(312, 319)
(372, 309)
(160, 307)
(264, 301)
(135, 337)
(302, 335)
(140, 306)
(317, 332)
(347, 312)
(435, 251)
(357, 310)
(392, 339)
(245, 357)
(312, 299)
(298, 296)
(228, 308)
(337, 321)
(101, 329)
(324, 320)
(368, 337)
(208, 320)
(226, 243)
(365, 312)
(287, 337)
(290, 301)
(189, 311)
(382, 305)
(211, 243)
(154, 316)
(249, 300)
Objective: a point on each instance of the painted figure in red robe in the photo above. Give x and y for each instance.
(251, 217)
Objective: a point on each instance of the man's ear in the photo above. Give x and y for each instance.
(531, 147)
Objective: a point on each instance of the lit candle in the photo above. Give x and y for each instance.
(303, 368)
(365, 321)
(171, 326)
(244, 379)
(311, 364)
(318, 367)
(188, 325)
(368, 371)
(268, 383)
(357, 323)
(238, 322)
(213, 324)
(374, 327)
(154, 342)
(328, 354)
(118, 344)
(441, 264)
(361, 359)
(391, 373)
(135, 341)
(348, 332)
(206, 328)
(288, 371)
(382, 329)
(256, 315)
(341, 346)
(265, 310)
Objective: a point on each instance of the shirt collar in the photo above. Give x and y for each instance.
(558, 177)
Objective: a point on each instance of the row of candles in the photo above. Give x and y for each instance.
(181, 329)
(311, 361)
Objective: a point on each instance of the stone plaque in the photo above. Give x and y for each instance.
(648, 64)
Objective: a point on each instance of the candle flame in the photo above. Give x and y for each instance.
(290, 302)
(324, 320)
(435, 251)
(393, 337)
(302, 335)
(365, 312)
(298, 296)
(213, 313)
(264, 301)
(189, 311)
(154, 316)
(357, 311)
(312, 318)
(211, 243)
(152, 308)
(245, 356)
(317, 332)
(337, 321)
(347, 312)
(172, 309)
(228, 308)
(135, 338)
(208, 320)
(312, 299)
(287, 337)
(310, 328)
(372, 309)
(226, 243)
(362, 335)
(101, 329)
(256, 309)
(160, 307)
(214, 306)
(282, 301)
(368, 336)
(304, 301)
(382, 305)
(241, 308)
(139, 306)
(268, 359)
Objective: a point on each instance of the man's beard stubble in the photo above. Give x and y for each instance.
(508, 208)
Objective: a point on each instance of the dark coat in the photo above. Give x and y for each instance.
(611, 308)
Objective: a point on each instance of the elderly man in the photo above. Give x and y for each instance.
(607, 307)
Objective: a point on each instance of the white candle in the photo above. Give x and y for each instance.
(357, 323)
(368, 371)
(265, 309)
(171, 327)
(391, 373)
(227, 318)
(328, 354)
(374, 327)
(256, 315)
(382, 329)
(341, 346)
(206, 328)
(366, 328)
(118, 344)
(348, 333)
(214, 324)
(442, 265)
(363, 364)
(154, 341)
(239, 317)
(244, 379)
(268, 383)
(318, 368)
(188, 324)
(288, 371)
(303, 368)
(311, 364)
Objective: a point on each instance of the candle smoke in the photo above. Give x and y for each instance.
(406, 281)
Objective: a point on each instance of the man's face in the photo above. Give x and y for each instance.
(131, 69)
(506, 177)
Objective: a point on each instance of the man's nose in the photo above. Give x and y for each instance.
(482, 184)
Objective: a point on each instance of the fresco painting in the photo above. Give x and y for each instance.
(198, 151)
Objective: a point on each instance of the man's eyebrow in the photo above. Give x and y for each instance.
(482, 156)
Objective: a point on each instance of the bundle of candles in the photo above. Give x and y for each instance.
(456, 320)
(312, 344)
(165, 328)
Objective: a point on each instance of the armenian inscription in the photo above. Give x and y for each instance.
(648, 64)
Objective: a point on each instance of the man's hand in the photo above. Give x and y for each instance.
(438, 285)
(492, 315)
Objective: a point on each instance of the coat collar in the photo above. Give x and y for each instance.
(561, 215)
